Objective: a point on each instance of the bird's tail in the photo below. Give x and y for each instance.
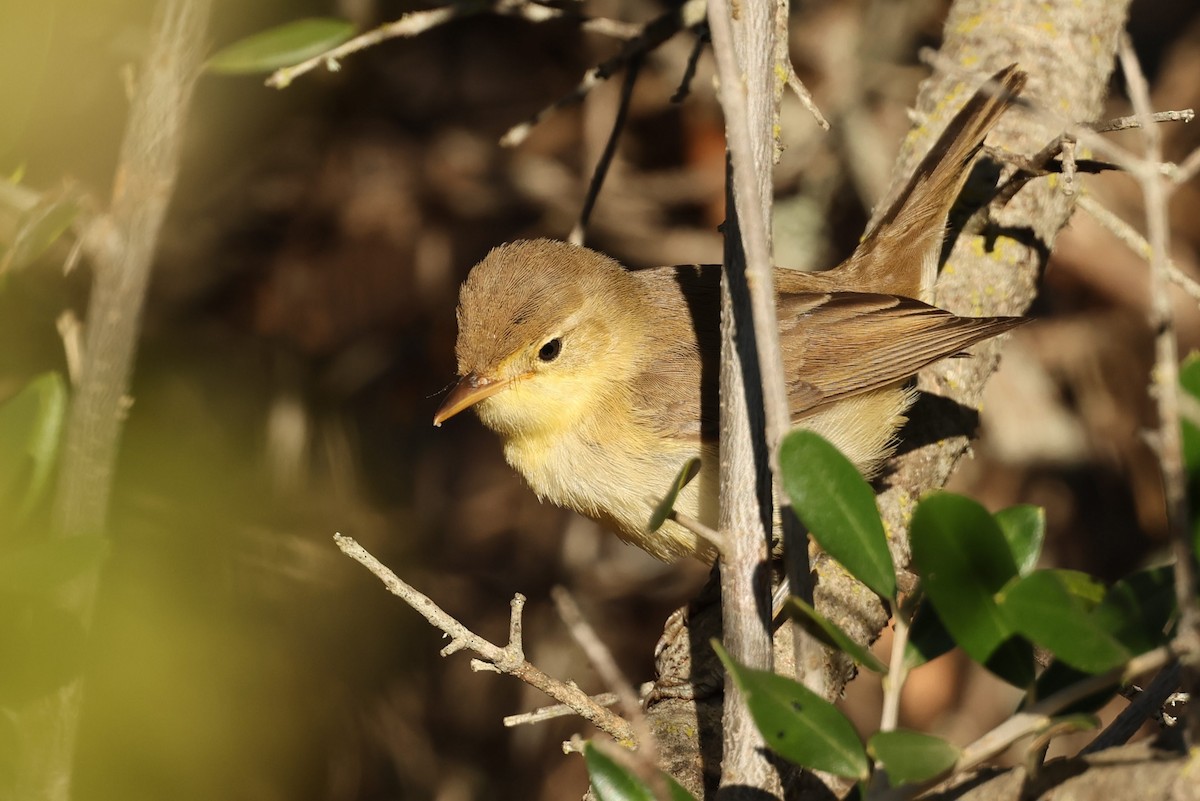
(899, 255)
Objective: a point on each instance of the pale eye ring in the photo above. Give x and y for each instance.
(549, 352)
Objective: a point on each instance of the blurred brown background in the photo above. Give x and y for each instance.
(300, 329)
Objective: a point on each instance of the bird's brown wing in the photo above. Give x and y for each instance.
(839, 344)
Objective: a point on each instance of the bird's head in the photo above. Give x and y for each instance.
(546, 331)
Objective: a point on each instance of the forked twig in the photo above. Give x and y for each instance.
(510, 659)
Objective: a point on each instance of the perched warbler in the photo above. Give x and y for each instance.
(602, 381)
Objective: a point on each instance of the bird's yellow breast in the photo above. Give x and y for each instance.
(610, 474)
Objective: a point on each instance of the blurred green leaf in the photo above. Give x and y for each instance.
(1189, 380)
(38, 229)
(927, 637)
(47, 564)
(611, 782)
(798, 724)
(831, 634)
(837, 506)
(30, 424)
(1138, 610)
(43, 649)
(911, 756)
(282, 46)
(1024, 527)
(964, 560)
(690, 469)
(1041, 608)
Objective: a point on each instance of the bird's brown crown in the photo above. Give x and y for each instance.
(522, 292)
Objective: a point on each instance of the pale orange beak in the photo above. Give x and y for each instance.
(470, 390)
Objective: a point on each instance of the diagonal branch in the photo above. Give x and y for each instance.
(508, 659)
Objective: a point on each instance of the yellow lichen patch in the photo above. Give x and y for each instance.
(969, 23)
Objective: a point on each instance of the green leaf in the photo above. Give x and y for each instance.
(47, 564)
(927, 637)
(831, 634)
(611, 782)
(690, 469)
(1189, 380)
(911, 756)
(282, 46)
(1024, 527)
(964, 560)
(837, 506)
(1087, 590)
(43, 649)
(30, 424)
(798, 724)
(1139, 609)
(1041, 608)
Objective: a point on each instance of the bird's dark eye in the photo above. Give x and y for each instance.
(549, 352)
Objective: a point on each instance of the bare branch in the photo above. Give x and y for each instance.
(510, 659)
(415, 23)
(610, 150)
(1165, 389)
(654, 33)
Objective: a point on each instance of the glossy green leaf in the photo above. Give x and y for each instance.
(690, 469)
(837, 506)
(831, 634)
(1139, 609)
(964, 560)
(1087, 590)
(1024, 527)
(1041, 608)
(612, 782)
(45, 565)
(798, 724)
(282, 46)
(30, 424)
(911, 756)
(927, 637)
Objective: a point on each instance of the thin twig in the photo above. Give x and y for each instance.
(893, 682)
(1165, 388)
(1144, 706)
(806, 99)
(654, 33)
(1136, 121)
(602, 659)
(415, 23)
(510, 659)
(689, 71)
(610, 150)
(1136, 242)
(1188, 169)
(1037, 717)
(545, 713)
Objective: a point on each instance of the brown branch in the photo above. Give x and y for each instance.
(602, 660)
(610, 149)
(509, 659)
(1165, 388)
(415, 23)
(655, 32)
(121, 244)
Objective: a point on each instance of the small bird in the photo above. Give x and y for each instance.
(602, 381)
